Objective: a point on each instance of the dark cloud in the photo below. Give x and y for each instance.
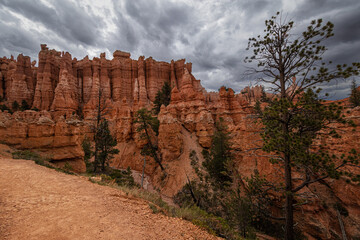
(211, 34)
(313, 9)
(65, 18)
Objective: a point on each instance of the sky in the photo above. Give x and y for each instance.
(212, 34)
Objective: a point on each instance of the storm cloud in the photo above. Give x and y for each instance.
(211, 34)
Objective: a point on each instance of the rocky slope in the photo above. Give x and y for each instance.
(66, 91)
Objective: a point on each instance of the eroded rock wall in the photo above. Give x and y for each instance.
(59, 141)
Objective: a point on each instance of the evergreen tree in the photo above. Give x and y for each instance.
(24, 105)
(294, 119)
(355, 95)
(102, 110)
(148, 125)
(217, 187)
(218, 159)
(3, 107)
(15, 106)
(162, 97)
(86, 146)
(104, 144)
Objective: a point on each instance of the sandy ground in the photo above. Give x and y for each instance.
(40, 203)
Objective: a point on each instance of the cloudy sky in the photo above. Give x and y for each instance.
(212, 34)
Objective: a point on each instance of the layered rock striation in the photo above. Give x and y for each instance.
(61, 83)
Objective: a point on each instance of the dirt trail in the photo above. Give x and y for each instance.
(40, 203)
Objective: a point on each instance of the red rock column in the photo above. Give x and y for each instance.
(173, 82)
(87, 79)
(104, 77)
(143, 99)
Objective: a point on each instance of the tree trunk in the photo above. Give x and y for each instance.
(98, 118)
(153, 151)
(289, 215)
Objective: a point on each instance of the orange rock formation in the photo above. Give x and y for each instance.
(66, 91)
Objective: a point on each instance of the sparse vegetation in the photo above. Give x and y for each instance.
(216, 191)
(123, 177)
(27, 155)
(40, 160)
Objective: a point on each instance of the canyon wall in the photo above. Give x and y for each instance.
(64, 94)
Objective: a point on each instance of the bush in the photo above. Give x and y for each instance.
(39, 160)
(26, 154)
(123, 177)
(15, 106)
(3, 107)
(86, 146)
(215, 225)
(24, 105)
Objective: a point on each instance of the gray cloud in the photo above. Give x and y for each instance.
(211, 34)
(66, 19)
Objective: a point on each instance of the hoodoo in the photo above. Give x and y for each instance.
(63, 94)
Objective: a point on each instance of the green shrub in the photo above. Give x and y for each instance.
(24, 105)
(154, 208)
(39, 160)
(86, 146)
(15, 106)
(123, 177)
(3, 108)
(26, 154)
(213, 224)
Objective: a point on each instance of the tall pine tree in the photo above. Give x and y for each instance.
(292, 65)
(104, 144)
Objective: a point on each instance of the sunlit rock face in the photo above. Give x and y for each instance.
(67, 93)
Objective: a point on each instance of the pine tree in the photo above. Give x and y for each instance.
(162, 97)
(218, 159)
(295, 117)
(86, 146)
(104, 144)
(15, 106)
(24, 105)
(355, 95)
(148, 125)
